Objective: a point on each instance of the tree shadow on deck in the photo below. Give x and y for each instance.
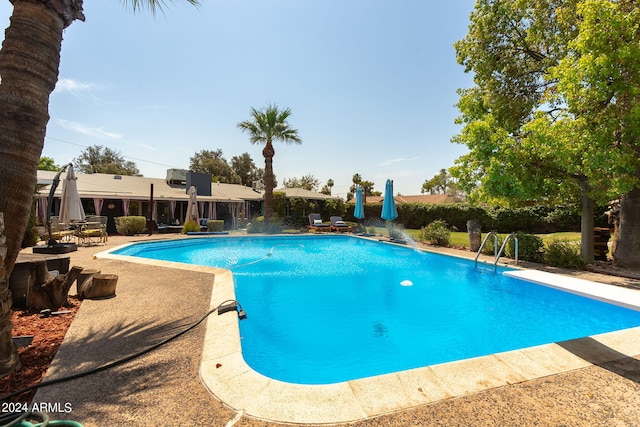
(158, 382)
(605, 357)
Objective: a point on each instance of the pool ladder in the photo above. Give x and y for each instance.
(497, 253)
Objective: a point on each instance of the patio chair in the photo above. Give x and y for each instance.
(93, 231)
(338, 225)
(316, 224)
(59, 231)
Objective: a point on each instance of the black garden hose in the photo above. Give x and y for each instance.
(124, 359)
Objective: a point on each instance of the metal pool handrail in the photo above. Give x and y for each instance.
(504, 244)
(497, 253)
(484, 241)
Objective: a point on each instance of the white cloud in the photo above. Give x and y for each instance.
(73, 86)
(398, 160)
(149, 147)
(87, 130)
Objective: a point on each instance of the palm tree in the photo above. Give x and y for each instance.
(264, 128)
(330, 184)
(29, 67)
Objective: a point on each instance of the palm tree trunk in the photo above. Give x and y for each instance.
(268, 152)
(9, 360)
(29, 61)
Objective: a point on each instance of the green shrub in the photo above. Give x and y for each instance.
(436, 233)
(31, 236)
(255, 226)
(190, 227)
(358, 227)
(563, 219)
(489, 247)
(275, 226)
(130, 225)
(529, 219)
(530, 248)
(215, 225)
(564, 254)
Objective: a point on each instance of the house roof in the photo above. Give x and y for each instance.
(109, 186)
(434, 199)
(305, 194)
(139, 188)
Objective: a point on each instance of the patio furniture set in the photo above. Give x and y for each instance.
(92, 230)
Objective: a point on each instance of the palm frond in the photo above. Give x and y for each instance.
(270, 125)
(153, 5)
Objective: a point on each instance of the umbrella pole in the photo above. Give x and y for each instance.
(52, 190)
(150, 223)
(390, 228)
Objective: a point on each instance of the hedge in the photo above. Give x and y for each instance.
(532, 219)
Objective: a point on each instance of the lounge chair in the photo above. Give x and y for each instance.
(337, 224)
(316, 224)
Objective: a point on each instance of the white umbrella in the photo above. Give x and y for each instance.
(70, 205)
(192, 208)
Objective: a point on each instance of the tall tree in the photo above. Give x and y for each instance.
(326, 189)
(443, 183)
(367, 187)
(600, 82)
(47, 164)
(546, 121)
(29, 67)
(308, 182)
(246, 169)
(265, 127)
(98, 159)
(213, 162)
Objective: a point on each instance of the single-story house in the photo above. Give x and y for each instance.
(122, 195)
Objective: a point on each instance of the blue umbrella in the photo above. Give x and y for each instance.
(389, 211)
(358, 212)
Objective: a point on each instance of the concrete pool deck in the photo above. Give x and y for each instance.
(249, 397)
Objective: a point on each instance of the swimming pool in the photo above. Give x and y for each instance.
(325, 309)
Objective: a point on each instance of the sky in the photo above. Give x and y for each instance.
(371, 85)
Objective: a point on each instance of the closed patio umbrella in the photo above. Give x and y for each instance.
(192, 208)
(70, 204)
(358, 212)
(389, 211)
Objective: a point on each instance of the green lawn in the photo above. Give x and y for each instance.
(565, 237)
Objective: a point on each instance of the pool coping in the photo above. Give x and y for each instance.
(229, 379)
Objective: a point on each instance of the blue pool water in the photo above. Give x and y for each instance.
(325, 309)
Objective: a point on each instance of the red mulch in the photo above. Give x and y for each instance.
(48, 333)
